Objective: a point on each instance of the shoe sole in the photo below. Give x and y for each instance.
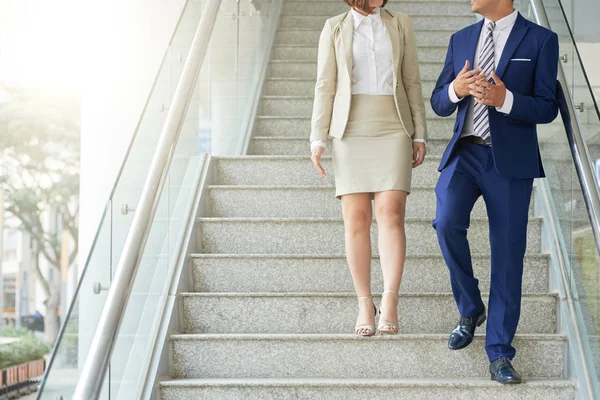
(509, 382)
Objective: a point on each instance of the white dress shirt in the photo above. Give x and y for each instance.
(501, 33)
(372, 62)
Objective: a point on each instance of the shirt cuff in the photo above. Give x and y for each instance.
(419, 140)
(316, 143)
(508, 103)
(452, 94)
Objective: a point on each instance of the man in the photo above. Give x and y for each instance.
(493, 153)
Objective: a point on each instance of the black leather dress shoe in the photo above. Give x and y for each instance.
(503, 372)
(463, 334)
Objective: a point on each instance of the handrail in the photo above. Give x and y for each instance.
(581, 155)
(89, 385)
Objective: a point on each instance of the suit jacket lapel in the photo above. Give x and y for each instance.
(516, 36)
(472, 41)
(391, 26)
(347, 35)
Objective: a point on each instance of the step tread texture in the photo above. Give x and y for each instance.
(329, 273)
(326, 236)
(336, 356)
(351, 389)
(334, 313)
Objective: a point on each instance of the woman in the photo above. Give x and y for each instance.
(368, 99)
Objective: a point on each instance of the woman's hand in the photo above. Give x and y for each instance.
(419, 152)
(317, 153)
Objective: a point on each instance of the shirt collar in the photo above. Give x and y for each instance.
(505, 22)
(359, 18)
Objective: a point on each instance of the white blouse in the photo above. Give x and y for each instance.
(372, 62)
(372, 67)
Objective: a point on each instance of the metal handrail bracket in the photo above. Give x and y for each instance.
(92, 375)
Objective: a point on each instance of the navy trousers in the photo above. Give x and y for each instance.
(471, 173)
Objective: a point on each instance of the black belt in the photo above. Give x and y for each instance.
(477, 140)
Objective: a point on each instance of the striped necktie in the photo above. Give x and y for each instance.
(486, 63)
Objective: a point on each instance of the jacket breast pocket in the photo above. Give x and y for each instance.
(520, 67)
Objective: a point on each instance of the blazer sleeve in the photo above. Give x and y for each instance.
(411, 80)
(542, 106)
(325, 87)
(440, 100)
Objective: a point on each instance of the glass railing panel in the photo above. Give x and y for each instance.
(584, 253)
(214, 123)
(555, 150)
(76, 334)
(582, 16)
(228, 82)
(569, 207)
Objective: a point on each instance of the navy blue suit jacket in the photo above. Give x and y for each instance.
(533, 83)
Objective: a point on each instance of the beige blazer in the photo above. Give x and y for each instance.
(334, 76)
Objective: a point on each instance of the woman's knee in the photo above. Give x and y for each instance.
(357, 220)
(391, 213)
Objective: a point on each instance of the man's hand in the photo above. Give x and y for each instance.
(419, 152)
(317, 152)
(487, 93)
(464, 79)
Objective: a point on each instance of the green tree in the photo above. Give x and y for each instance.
(39, 173)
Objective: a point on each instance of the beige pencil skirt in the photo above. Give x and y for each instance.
(375, 153)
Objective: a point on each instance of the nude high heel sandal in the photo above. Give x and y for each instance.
(386, 327)
(370, 329)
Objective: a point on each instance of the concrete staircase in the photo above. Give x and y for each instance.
(272, 311)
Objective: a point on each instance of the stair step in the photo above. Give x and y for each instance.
(336, 313)
(290, 83)
(360, 389)
(302, 106)
(292, 70)
(299, 146)
(306, 202)
(304, 87)
(312, 273)
(309, 53)
(294, 126)
(412, 8)
(311, 37)
(350, 356)
(281, 170)
(420, 22)
(326, 236)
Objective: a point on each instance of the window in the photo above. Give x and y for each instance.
(10, 294)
